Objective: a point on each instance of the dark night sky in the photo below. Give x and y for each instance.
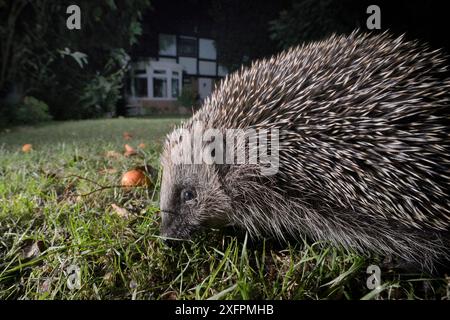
(425, 20)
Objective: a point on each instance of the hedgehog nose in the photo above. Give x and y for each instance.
(168, 239)
(171, 243)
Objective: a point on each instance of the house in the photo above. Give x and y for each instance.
(175, 54)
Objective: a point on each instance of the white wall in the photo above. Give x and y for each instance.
(207, 68)
(189, 64)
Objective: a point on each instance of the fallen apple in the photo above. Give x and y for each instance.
(135, 178)
(27, 147)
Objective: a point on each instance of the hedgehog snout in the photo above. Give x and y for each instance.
(174, 228)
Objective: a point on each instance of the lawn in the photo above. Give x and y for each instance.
(68, 231)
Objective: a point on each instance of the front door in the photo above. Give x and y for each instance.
(204, 87)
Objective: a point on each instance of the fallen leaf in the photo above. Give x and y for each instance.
(33, 249)
(133, 284)
(127, 135)
(113, 154)
(45, 286)
(142, 145)
(49, 173)
(108, 277)
(121, 212)
(171, 295)
(108, 171)
(129, 151)
(27, 148)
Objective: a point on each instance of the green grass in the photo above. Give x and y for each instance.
(46, 227)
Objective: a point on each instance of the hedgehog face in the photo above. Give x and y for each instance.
(192, 198)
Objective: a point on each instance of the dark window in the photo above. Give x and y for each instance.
(140, 72)
(187, 80)
(175, 88)
(128, 86)
(159, 88)
(140, 86)
(167, 45)
(187, 47)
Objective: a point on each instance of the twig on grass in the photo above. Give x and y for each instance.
(100, 186)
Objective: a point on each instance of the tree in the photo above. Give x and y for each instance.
(75, 71)
(241, 30)
(308, 20)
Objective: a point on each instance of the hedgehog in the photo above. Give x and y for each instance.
(363, 150)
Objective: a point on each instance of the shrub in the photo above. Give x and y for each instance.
(31, 111)
(102, 92)
(188, 98)
(100, 96)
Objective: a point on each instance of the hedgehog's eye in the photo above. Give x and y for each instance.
(187, 195)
